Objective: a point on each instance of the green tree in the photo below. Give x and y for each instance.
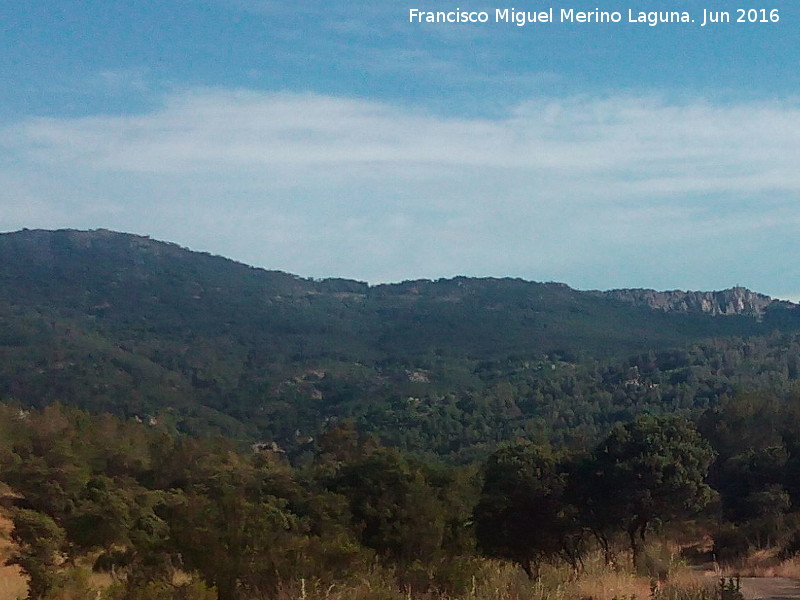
(651, 469)
(234, 543)
(39, 542)
(393, 508)
(236, 526)
(522, 514)
(102, 516)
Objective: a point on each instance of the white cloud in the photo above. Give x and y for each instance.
(601, 192)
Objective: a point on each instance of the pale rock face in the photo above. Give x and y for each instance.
(733, 301)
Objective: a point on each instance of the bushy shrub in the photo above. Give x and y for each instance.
(791, 548)
(731, 543)
(160, 590)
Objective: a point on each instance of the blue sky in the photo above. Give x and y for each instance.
(338, 139)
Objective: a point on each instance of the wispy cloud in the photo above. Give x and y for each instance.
(601, 192)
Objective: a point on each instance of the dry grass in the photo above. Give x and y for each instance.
(788, 568)
(765, 563)
(609, 585)
(688, 578)
(13, 584)
(493, 580)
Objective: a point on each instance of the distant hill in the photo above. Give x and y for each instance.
(119, 322)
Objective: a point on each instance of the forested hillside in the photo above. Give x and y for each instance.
(387, 441)
(121, 323)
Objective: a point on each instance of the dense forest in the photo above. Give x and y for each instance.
(196, 428)
(145, 504)
(145, 329)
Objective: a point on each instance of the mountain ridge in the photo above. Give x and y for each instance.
(122, 323)
(737, 300)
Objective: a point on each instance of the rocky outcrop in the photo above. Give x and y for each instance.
(733, 301)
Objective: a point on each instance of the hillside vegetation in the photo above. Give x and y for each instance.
(121, 323)
(166, 516)
(179, 426)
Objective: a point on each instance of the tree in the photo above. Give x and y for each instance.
(235, 534)
(522, 514)
(651, 469)
(102, 516)
(394, 509)
(39, 540)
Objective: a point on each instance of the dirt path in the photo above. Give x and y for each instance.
(770, 588)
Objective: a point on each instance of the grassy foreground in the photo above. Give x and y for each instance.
(485, 580)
